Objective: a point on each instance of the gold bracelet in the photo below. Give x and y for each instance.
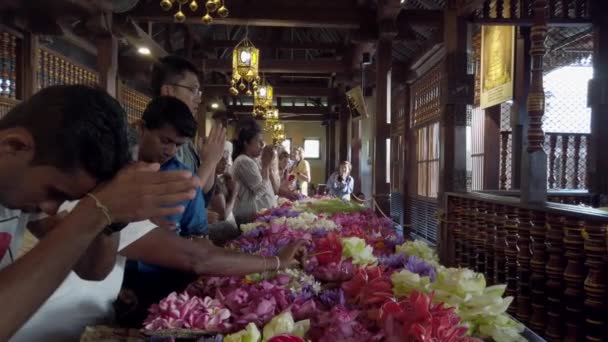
(102, 207)
(278, 263)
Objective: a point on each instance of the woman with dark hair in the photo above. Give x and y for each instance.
(255, 191)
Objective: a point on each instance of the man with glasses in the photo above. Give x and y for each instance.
(177, 77)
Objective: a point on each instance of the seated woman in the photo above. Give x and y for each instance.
(301, 171)
(222, 204)
(255, 191)
(340, 184)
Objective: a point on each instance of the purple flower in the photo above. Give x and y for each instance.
(420, 267)
(394, 261)
(331, 298)
(318, 232)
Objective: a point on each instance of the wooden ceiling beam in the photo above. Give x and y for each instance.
(284, 110)
(314, 118)
(137, 37)
(273, 45)
(269, 13)
(288, 91)
(317, 66)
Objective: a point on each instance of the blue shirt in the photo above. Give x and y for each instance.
(340, 189)
(193, 220)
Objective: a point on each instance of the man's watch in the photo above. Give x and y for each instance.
(114, 228)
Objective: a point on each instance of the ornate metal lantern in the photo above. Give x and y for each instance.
(245, 66)
(262, 100)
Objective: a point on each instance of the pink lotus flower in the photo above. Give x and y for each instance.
(184, 311)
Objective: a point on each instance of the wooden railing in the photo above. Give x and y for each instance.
(552, 257)
(55, 69)
(511, 11)
(133, 102)
(572, 197)
(567, 161)
(8, 71)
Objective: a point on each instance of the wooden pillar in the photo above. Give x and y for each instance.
(491, 148)
(343, 120)
(598, 100)
(457, 93)
(534, 161)
(330, 147)
(29, 66)
(355, 153)
(383, 72)
(107, 63)
(519, 113)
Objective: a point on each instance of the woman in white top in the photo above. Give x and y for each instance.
(255, 190)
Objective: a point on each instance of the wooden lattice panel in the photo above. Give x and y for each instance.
(477, 60)
(426, 96)
(55, 69)
(8, 71)
(133, 102)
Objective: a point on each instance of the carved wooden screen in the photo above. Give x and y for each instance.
(55, 69)
(562, 11)
(8, 71)
(426, 97)
(426, 112)
(133, 102)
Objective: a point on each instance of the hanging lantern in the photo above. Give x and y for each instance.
(278, 133)
(212, 6)
(262, 100)
(245, 66)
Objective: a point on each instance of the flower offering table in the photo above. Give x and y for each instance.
(361, 281)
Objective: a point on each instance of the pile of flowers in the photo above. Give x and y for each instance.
(360, 282)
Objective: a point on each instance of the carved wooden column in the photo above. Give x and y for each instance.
(555, 283)
(383, 68)
(479, 239)
(468, 218)
(538, 232)
(29, 61)
(511, 251)
(458, 234)
(523, 266)
(107, 63)
(576, 181)
(596, 284)
(504, 153)
(500, 266)
(534, 168)
(457, 91)
(552, 156)
(490, 242)
(598, 101)
(574, 276)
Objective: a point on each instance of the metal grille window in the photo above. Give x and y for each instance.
(424, 220)
(427, 160)
(506, 145)
(477, 150)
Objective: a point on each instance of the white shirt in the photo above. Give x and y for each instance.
(79, 303)
(13, 223)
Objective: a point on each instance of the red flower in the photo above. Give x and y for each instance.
(369, 287)
(328, 249)
(286, 338)
(417, 319)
